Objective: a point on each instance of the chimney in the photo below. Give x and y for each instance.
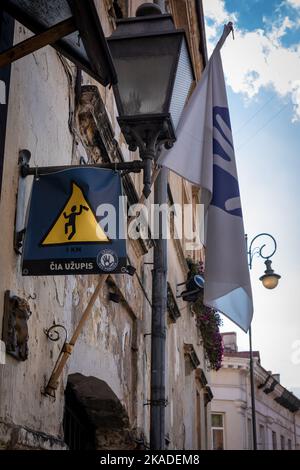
(276, 377)
(230, 342)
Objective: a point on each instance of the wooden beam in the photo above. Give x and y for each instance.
(6, 41)
(30, 45)
(67, 349)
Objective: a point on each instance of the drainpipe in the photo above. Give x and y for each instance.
(159, 307)
(158, 330)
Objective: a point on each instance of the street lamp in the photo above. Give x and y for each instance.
(155, 75)
(269, 280)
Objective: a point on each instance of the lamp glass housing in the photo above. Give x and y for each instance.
(270, 278)
(153, 66)
(143, 66)
(270, 281)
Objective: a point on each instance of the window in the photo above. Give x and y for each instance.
(250, 433)
(274, 440)
(289, 444)
(217, 429)
(262, 436)
(198, 419)
(282, 443)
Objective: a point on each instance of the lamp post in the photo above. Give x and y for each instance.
(269, 280)
(155, 75)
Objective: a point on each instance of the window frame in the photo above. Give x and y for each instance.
(274, 440)
(250, 433)
(262, 436)
(218, 428)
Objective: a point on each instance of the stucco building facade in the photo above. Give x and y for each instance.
(103, 396)
(277, 409)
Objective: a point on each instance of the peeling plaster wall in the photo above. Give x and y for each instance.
(115, 343)
(37, 117)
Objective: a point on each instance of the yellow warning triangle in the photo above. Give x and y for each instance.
(76, 223)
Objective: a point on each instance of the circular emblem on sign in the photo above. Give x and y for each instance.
(107, 260)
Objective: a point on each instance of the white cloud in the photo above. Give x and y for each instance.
(215, 10)
(257, 59)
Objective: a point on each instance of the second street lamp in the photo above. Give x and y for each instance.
(270, 278)
(270, 281)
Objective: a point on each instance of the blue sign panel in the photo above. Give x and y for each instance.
(75, 224)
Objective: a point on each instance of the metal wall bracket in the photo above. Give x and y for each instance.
(134, 166)
(15, 328)
(163, 402)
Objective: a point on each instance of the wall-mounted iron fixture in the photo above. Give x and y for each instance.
(194, 286)
(130, 270)
(53, 333)
(15, 328)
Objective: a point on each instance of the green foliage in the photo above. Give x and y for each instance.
(208, 321)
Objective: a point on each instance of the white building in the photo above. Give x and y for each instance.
(277, 409)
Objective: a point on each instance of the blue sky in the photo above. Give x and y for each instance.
(257, 13)
(262, 69)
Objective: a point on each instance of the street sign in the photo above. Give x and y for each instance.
(75, 224)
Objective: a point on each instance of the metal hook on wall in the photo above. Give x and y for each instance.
(32, 296)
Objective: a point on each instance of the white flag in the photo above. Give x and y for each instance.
(204, 155)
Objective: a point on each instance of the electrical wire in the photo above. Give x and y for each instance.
(263, 127)
(254, 115)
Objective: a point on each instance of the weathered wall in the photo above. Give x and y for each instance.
(113, 346)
